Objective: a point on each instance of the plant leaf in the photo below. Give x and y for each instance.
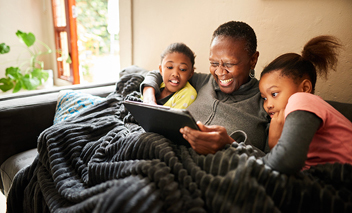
(6, 84)
(45, 76)
(13, 73)
(30, 83)
(68, 60)
(4, 48)
(18, 87)
(27, 38)
(40, 74)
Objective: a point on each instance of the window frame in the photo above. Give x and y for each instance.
(71, 32)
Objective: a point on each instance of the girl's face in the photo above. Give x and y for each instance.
(276, 89)
(230, 63)
(176, 69)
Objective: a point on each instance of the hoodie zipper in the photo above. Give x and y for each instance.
(211, 116)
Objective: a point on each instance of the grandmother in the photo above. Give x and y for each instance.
(228, 98)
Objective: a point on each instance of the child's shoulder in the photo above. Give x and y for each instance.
(305, 101)
(312, 103)
(304, 96)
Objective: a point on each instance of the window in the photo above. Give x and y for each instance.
(64, 13)
(88, 31)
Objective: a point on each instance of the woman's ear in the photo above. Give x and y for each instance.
(306, 86)
(254, 60)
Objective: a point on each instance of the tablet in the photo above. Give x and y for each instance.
(162, 120)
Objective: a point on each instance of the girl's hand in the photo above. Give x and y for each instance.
(275, 129)
(149, 95)
(208, 140)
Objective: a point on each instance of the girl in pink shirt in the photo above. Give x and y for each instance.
(304, 130)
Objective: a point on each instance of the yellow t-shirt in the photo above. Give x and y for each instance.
(182, 98)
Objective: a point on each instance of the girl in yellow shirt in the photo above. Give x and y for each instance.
(176, 68)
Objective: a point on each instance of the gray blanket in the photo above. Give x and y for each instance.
(103, 161)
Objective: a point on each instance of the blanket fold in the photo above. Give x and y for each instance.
(103, 161)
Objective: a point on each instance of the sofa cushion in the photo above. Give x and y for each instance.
(71, 103)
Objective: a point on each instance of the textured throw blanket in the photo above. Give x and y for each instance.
(103, 161)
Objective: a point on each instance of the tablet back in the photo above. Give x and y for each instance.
(162, 120)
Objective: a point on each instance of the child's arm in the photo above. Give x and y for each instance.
(275, 129)
(290, 153)
(152, 79)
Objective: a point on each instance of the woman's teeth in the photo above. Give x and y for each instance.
(226, 81)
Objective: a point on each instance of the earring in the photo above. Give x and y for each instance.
(251, 73)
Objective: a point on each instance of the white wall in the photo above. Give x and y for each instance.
(28, 16)
(281, 26)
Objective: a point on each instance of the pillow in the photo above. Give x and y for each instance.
(71, 103)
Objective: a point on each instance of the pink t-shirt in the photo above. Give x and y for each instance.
(333, 140)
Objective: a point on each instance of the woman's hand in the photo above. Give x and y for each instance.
(149, 95)
(208, 140)
(275, 129)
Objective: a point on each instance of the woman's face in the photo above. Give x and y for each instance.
(230, 63)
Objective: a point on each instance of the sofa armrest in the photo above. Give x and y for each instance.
(24, 117)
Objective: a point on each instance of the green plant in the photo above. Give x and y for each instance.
(31, 77)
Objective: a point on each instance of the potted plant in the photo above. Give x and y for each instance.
(30, 78)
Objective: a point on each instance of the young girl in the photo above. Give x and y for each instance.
(304, 130)
(176, 68)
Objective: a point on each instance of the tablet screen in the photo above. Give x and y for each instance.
(162, 120)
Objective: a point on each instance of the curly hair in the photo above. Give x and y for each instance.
(239, 31)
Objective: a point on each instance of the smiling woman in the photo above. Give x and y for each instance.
(228, 65)
(229, 96)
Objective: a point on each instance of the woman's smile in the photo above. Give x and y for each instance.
(226, 82)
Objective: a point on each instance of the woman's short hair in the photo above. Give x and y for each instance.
(238, 30)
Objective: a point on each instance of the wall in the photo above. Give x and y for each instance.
(281, 26)
(28, 16)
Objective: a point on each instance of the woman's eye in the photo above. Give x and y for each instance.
(228, 65)
(274, 94)
(264, 99)
(213, 64)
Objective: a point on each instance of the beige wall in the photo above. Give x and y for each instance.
(28, 16)
(148, 26)
(281, 26)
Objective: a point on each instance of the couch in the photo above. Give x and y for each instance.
(23, 117)
(124, 168)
